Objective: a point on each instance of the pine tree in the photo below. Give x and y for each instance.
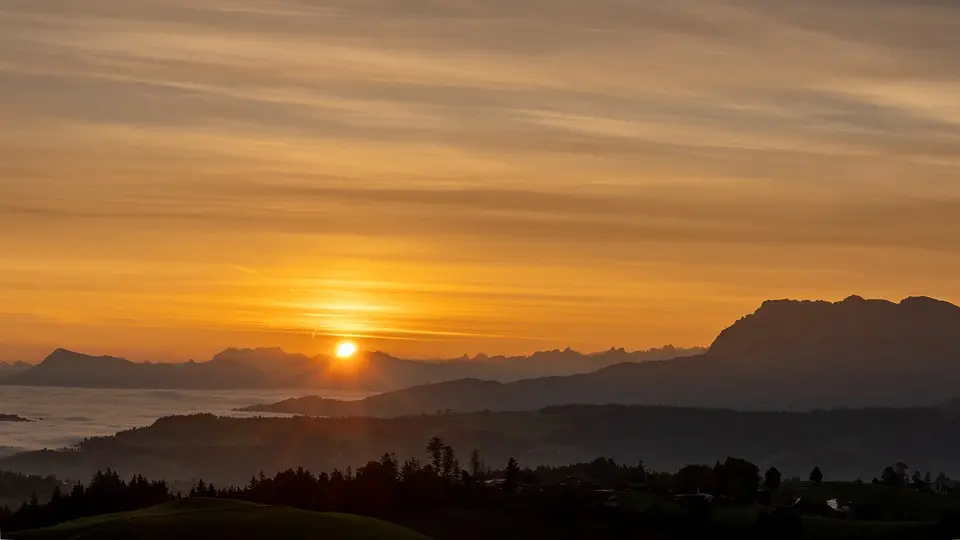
(450, 467)
(435, 449)
(511, 478)
(816, 476)
(476, 465)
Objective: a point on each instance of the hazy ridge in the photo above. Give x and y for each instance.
(275, 368)
(844, 443)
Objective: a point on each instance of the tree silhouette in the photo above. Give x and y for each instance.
(816, 475)
(387, 490)
(890, 477)
(450, 467)
(737, 479)
(772, 479)
(476, 465)
(696, 478)
(511, 477)
(435, 449)
(411, 470)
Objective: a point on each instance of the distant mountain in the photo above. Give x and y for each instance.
(787, 355)
(10, 369)
(68, 368)
(882, 334)
(275, 368)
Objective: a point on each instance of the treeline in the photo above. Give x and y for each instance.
(107, 493)
(849, 444)
(387, 488)
(16, 488)
(391, 490)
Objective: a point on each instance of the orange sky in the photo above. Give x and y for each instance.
(178, 176)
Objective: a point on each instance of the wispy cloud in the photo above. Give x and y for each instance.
(711, 149)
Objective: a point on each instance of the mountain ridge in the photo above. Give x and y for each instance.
(275, 368)
(787, 355)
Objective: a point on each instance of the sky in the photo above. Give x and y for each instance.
(440, 177)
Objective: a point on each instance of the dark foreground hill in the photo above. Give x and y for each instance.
(846, 444)
(788, 355)
(203, 519)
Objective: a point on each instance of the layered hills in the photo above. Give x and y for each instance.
(845, 443)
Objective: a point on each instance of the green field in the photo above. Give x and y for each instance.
(204, 518)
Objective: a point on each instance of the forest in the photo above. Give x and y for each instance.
(733, 494)
(851, 443)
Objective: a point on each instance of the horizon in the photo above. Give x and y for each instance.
(331, 351)
(331, 354)
(432, 178)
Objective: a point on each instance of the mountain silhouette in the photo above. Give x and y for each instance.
(275, 368)
(788, 355)
(68, 368)
(10, 369)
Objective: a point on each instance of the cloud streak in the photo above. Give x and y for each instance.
(620, 142)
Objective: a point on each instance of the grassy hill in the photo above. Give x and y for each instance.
(207, 518)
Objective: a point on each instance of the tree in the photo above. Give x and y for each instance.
(435, 449)
(737, 479)
(816, 475)
(917, 480)
(511, 477)
(476, 465)
(200, 489)
(450, 467)
(411, 470)
(772, 479)
(941, 482)
(890, 477)
(895, 476)
(696, 478)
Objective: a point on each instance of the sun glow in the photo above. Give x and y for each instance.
(346, 350)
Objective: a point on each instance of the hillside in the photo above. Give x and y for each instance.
(203, 519)
(846, 444)
(787, 355)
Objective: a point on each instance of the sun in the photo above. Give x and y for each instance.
(346, 350)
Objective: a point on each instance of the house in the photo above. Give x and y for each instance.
(844, 508)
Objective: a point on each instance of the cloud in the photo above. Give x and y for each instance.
(732, 149)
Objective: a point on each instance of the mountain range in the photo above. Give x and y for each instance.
(788, 355)
(8, 369)
(275, 368)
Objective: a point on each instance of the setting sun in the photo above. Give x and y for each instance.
(346, 350)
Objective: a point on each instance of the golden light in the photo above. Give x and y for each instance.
(346, 350)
